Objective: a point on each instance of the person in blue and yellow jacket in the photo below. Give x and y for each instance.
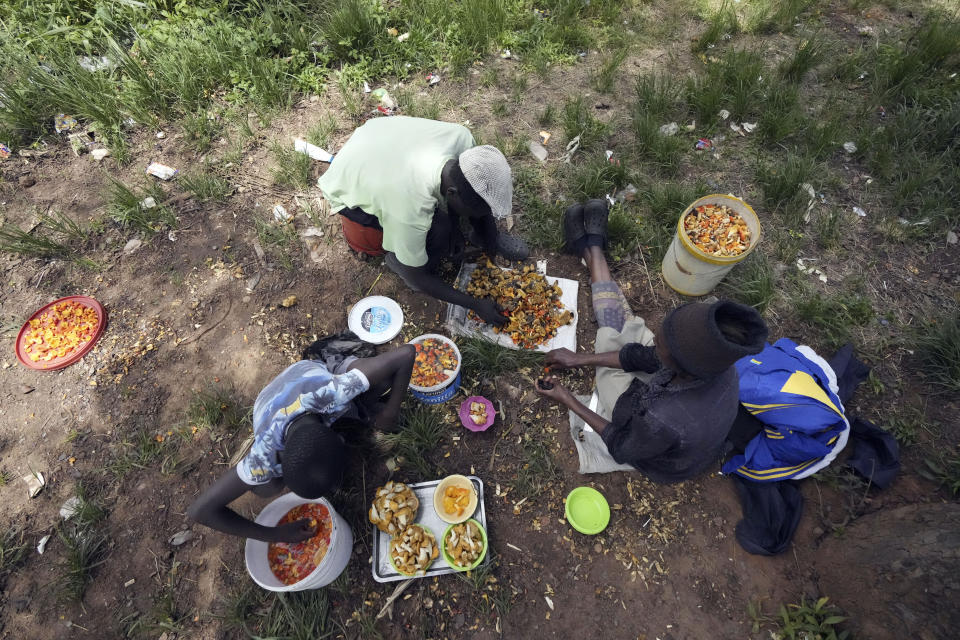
(793, 392)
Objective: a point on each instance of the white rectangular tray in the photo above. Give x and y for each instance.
(458, 322)
(383, 571)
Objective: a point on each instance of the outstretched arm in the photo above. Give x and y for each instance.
(567, 359)
(393, 368)
(211, 510)
(421, 279)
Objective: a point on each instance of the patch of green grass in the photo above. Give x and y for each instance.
(801, 621)
(662, 203)
(906, 424)
(782, 116)
(596, 177)
(143, 450)
(217, 407)
(499, 108)
(808, 53)
(206, 186)
(771, 16)
(484, 358)
(13, 550)
(5, 477)
(537, 470)
(624, 230)
(904, 71)
(719, 25)
(292, 169)
(423, 429)
(834, 316)
(490, 77)
(351, 92)
(321, 133)
(937, 343)
(605, 79)
(255, 613)
(829, 226)
(752, 282)
(538, 219)
(85, 549)
(519, 85)
(944, 470)
(57, 236)
(548, 116)
(129, 207)
(578, 120)
(780, 181)
(279, 240)
(660, 96)
(199, 130)
(88, 510)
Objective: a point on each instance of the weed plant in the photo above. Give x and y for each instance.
(834, 316)
(606, 78)
(808, 54)
(321, 134)
(293, 169)
(128, 207)
(720, 25)
(57, 236)
(596, 177)
(937, 344)
(85, 549)
(206, 186)
(944, 470)
(217, 407)
(14, 550)
(772, 16)
(538, 471)
(487, 359)
(802, 621)
(752, 282)
(579, 121)
(781, 182)
(422, 431)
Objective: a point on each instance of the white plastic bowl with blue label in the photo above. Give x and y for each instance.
(376, 319)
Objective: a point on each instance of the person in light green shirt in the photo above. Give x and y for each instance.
(414, 179)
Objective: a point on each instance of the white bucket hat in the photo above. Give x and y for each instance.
(487, 171)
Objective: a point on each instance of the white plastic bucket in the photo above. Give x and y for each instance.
(332, 565)
(445, 390)
(690, 271)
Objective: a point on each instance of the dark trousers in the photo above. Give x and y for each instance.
(445, 238)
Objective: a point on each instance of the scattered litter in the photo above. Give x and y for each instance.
(4, 151)
(627, 194)
(572, 147)
(172, 236)
(100, 154)
(609, 156)
(130, 582)
(403, 37)
(549, 602)
(393, 33)
(42, 545)
(806, 186)
(281, 215)
(703, 144)
(312, 150)
(132, 245)
(951, 237)
(62, 122)
(35, 483)
(79, 143)
(881, 112)
(392, 464)
(918, 223)
(70, 508)
(866, 31)
(860, 212)
(749, 127)
(433, 78)
(366, 87)
(312, 238)
(181, 537)
(253, 281)
(691, 126)
(385, 100)
(92, 64)
(288, 302)
(25, 389)
(505, 54)
(669, 129)
(736, 128)
(161, 135)
(724, 114)
(161, 171)
(148, 203)
(537, 150)
(813, 271)
(514, 547)
(849, 147)
(545, 137)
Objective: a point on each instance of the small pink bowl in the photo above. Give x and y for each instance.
(465, 414)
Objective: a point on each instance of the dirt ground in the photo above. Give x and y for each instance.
(200, 306)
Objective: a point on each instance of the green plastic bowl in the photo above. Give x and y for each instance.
(394, 565)
(446, 556)
(587, 510)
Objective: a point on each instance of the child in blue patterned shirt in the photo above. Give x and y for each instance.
(295, 445)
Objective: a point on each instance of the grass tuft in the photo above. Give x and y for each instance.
(277, 239)
(85, 549)
(423, 429)
(937, 344)
(538, 471)
(578, 120)
(834, 316)
(293, 169)
(13, 550)
(126, 206)
(206, 186)
(752, 282)
(484, 358)
(807, 55)
(217, 407)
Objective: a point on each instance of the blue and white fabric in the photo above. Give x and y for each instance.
(793, 391)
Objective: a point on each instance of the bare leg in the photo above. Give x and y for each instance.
(597, 264)
(609, 304)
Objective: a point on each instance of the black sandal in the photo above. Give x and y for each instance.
(573, 229)
(595, 213)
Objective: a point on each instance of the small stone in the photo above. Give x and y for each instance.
(598, 548)
(25, 388)
(850, 147)
(99, 154)
(288, 302)
(951, 237)
(132, 245)
(180, 537)
(26, 181)
(537, 151)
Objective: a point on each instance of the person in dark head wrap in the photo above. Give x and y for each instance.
(666, 401)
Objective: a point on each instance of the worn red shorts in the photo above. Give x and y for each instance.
(362, 239)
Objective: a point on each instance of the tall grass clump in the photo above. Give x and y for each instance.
(139, 209)
(937, 343)
(752, 282)
(578, 120)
